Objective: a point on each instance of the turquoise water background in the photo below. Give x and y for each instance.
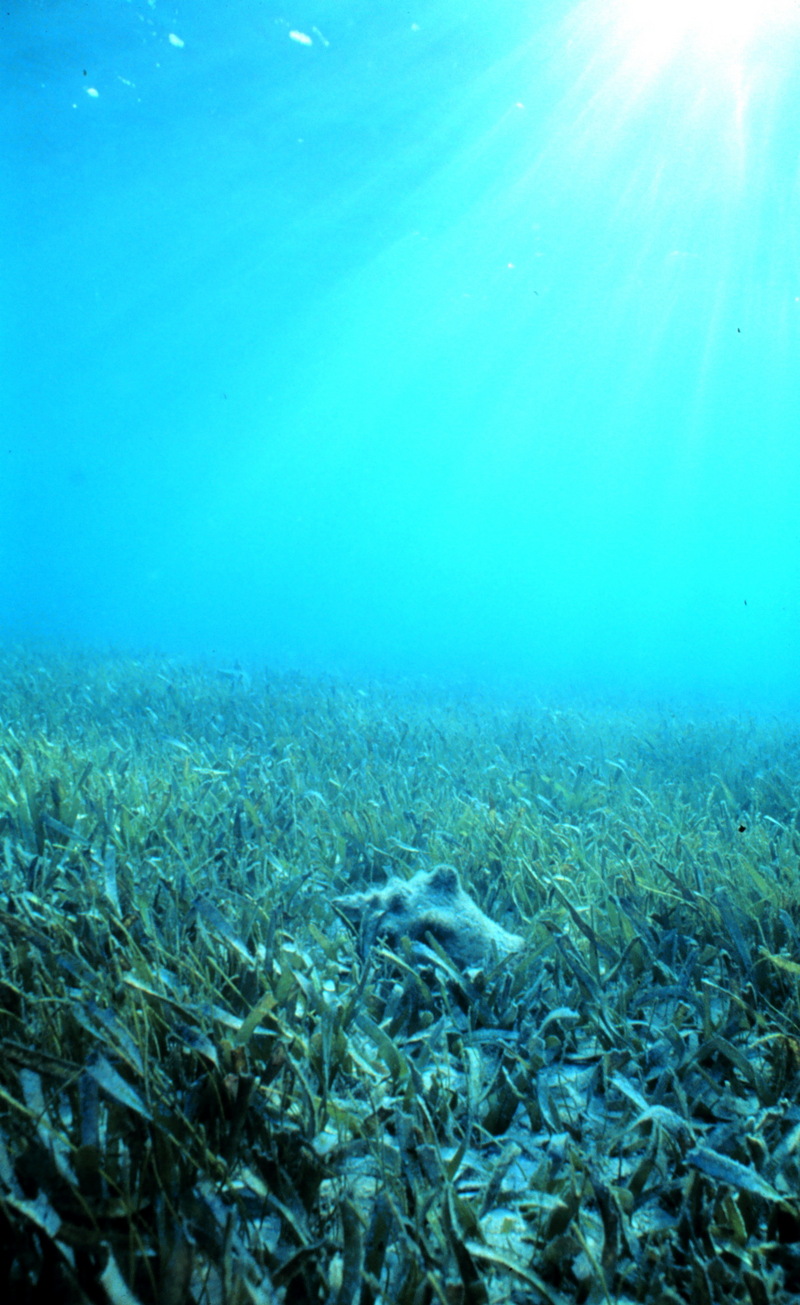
(453, 338)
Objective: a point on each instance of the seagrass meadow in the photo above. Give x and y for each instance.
(212, 1091)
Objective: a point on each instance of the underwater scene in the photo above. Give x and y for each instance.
(399, 647)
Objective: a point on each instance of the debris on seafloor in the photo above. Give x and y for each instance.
(432, 904)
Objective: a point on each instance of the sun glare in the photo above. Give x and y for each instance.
(660, 30)
(714, 66)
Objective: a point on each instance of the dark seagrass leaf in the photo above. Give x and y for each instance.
(115, 1286)
(724, 1170)
(115, 1086)
(353, 1253)
(216, 921)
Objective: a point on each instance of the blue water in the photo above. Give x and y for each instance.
(454, 337)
